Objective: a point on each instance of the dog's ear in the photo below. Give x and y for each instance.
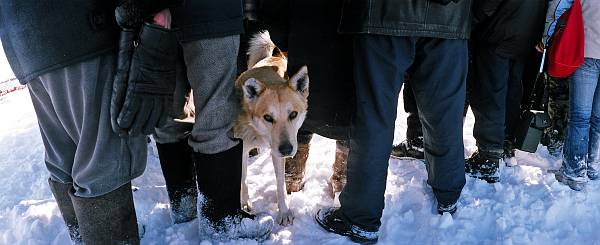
(299, 81)
(252, 88)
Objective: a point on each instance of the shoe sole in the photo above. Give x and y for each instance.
(346, 234)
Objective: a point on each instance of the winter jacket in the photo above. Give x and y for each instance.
(201, 19)
(418, 18)
(313, 41)
(510, 27)
(591, 23)
(40, 36)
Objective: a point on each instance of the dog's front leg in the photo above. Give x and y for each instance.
(285, 216)
(244, 189)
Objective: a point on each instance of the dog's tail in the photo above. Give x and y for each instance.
(261, 47)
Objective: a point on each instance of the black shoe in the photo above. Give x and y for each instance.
(484, 165)
(180, 178)
(443, 208)
(409, 149)
(331, 220)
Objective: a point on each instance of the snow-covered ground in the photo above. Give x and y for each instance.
(527, 207)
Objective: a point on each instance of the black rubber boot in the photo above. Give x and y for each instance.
(180, 177)
(107, 219)
(219, 179)
(63, 200)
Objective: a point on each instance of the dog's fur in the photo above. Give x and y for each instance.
(273, 109)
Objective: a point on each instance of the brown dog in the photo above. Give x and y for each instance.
(273, 109)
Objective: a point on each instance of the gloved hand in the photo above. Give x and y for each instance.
(142, 99)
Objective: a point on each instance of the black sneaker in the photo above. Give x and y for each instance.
(484, 165)
(443, 208)
(409, 149)
(331, 220)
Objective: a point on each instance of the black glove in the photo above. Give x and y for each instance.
(131, 14)
(142, 100)
(444, 2)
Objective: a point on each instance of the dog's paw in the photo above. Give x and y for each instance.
(285, 218)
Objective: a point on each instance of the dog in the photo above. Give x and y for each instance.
(273, 107)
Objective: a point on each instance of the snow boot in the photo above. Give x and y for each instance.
(107, 219)
(332, 220)
(295, 168)
(245, 226)
(338, 178)
(410, 148)
(553, 143)
(446, 208)
(575, 183)
(592, 171)
(65, 206)
(219, 179)
(484, 165)
(180, 177)
(509, 149)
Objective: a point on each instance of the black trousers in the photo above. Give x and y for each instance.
(439, 68)
(496, 92)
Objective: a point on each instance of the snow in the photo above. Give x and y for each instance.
(528, 206)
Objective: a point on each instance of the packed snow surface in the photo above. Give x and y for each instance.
(528, 206)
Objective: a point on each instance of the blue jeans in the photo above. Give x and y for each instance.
(582, 143)
(439, 68)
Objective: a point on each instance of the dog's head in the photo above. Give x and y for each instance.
(278, 110)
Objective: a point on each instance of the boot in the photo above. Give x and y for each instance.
(484, 165)
(180, 176)
(409, 149)
(295, 168)
(63, 200)
(107, 219)
(219, 179)
(338, 178)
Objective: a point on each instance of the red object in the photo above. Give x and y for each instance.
(566, 50)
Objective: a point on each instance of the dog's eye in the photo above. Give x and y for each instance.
(268, 118)
(293, 115)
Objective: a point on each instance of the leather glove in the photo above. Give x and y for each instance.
(142, 99)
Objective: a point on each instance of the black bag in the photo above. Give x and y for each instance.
(535, 118)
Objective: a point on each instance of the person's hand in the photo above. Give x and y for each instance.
(540, 47)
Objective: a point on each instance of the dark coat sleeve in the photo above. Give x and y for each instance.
(483, 9)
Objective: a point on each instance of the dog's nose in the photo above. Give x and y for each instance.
(286, 149)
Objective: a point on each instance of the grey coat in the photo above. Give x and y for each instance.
(418, 18)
